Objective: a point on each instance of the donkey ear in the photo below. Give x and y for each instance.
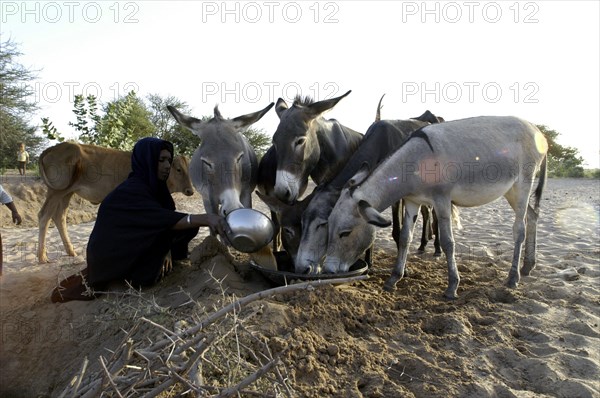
(429, 117)
(378, 113)
(280, 107)
(243, 121)
(360, 176)
(371, 215)
(303, 204)
(317, 108)
(189, 122)
(274, 204)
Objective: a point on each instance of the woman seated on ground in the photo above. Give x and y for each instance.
(137, 230)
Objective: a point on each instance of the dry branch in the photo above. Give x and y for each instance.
(109, 377)
(237, 305)
(180, 357)
(229, 392)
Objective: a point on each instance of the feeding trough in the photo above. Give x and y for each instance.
(285, 273)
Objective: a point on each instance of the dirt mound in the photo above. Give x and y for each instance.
(353, 340)
(29, 193)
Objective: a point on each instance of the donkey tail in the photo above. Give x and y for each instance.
(541, 182)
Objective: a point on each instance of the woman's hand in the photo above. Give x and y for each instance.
(218, 224)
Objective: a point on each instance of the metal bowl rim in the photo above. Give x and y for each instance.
(308, 277)
(268, 239)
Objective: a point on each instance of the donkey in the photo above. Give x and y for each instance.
(301, 122)
(468, 162)
(309, 145)
(380, 141)
(287, 217)
(224, 167)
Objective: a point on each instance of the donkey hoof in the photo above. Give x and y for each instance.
(512, 283)
(450, 294)
(526, 269)
(389, 286)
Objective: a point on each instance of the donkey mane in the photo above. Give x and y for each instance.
(420, 134)
(302, 101)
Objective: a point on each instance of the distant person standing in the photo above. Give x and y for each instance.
(22, 159)
(5, 199)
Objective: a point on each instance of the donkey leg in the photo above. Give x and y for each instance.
(397, 215)
(444, 219)
(396, 208)
(408, 223)
(397, 212)
(530, 242)
(518, 198)
(436, 230)
(519, 236)
(426, 227)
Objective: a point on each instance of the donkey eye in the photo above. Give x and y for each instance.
(344, 234)
(207, 164)
(289, 232)
(239, 159)
(300, 141)
(321, 225)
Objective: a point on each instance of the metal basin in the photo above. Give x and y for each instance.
(285, 271)
(251, 230)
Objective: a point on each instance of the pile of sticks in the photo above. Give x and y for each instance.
(216, 357)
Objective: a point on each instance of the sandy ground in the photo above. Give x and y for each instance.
(540, 340)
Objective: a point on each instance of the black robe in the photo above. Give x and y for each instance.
(133, 231)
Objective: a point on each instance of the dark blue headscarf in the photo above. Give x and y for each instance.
(144, 165)
(137, 216)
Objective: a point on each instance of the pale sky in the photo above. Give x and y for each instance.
(538, 60)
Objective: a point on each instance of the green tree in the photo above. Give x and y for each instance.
(259, 140)
(16, 107)
(124, 121)
(128, 119)
(185, 141)
(562, 161)
(167, 128)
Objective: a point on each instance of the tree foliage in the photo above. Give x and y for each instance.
(259, 140)
(167, 128)
(185, 141)
(16, 107)
(562, 161)
(128, 119)
(123, 122)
